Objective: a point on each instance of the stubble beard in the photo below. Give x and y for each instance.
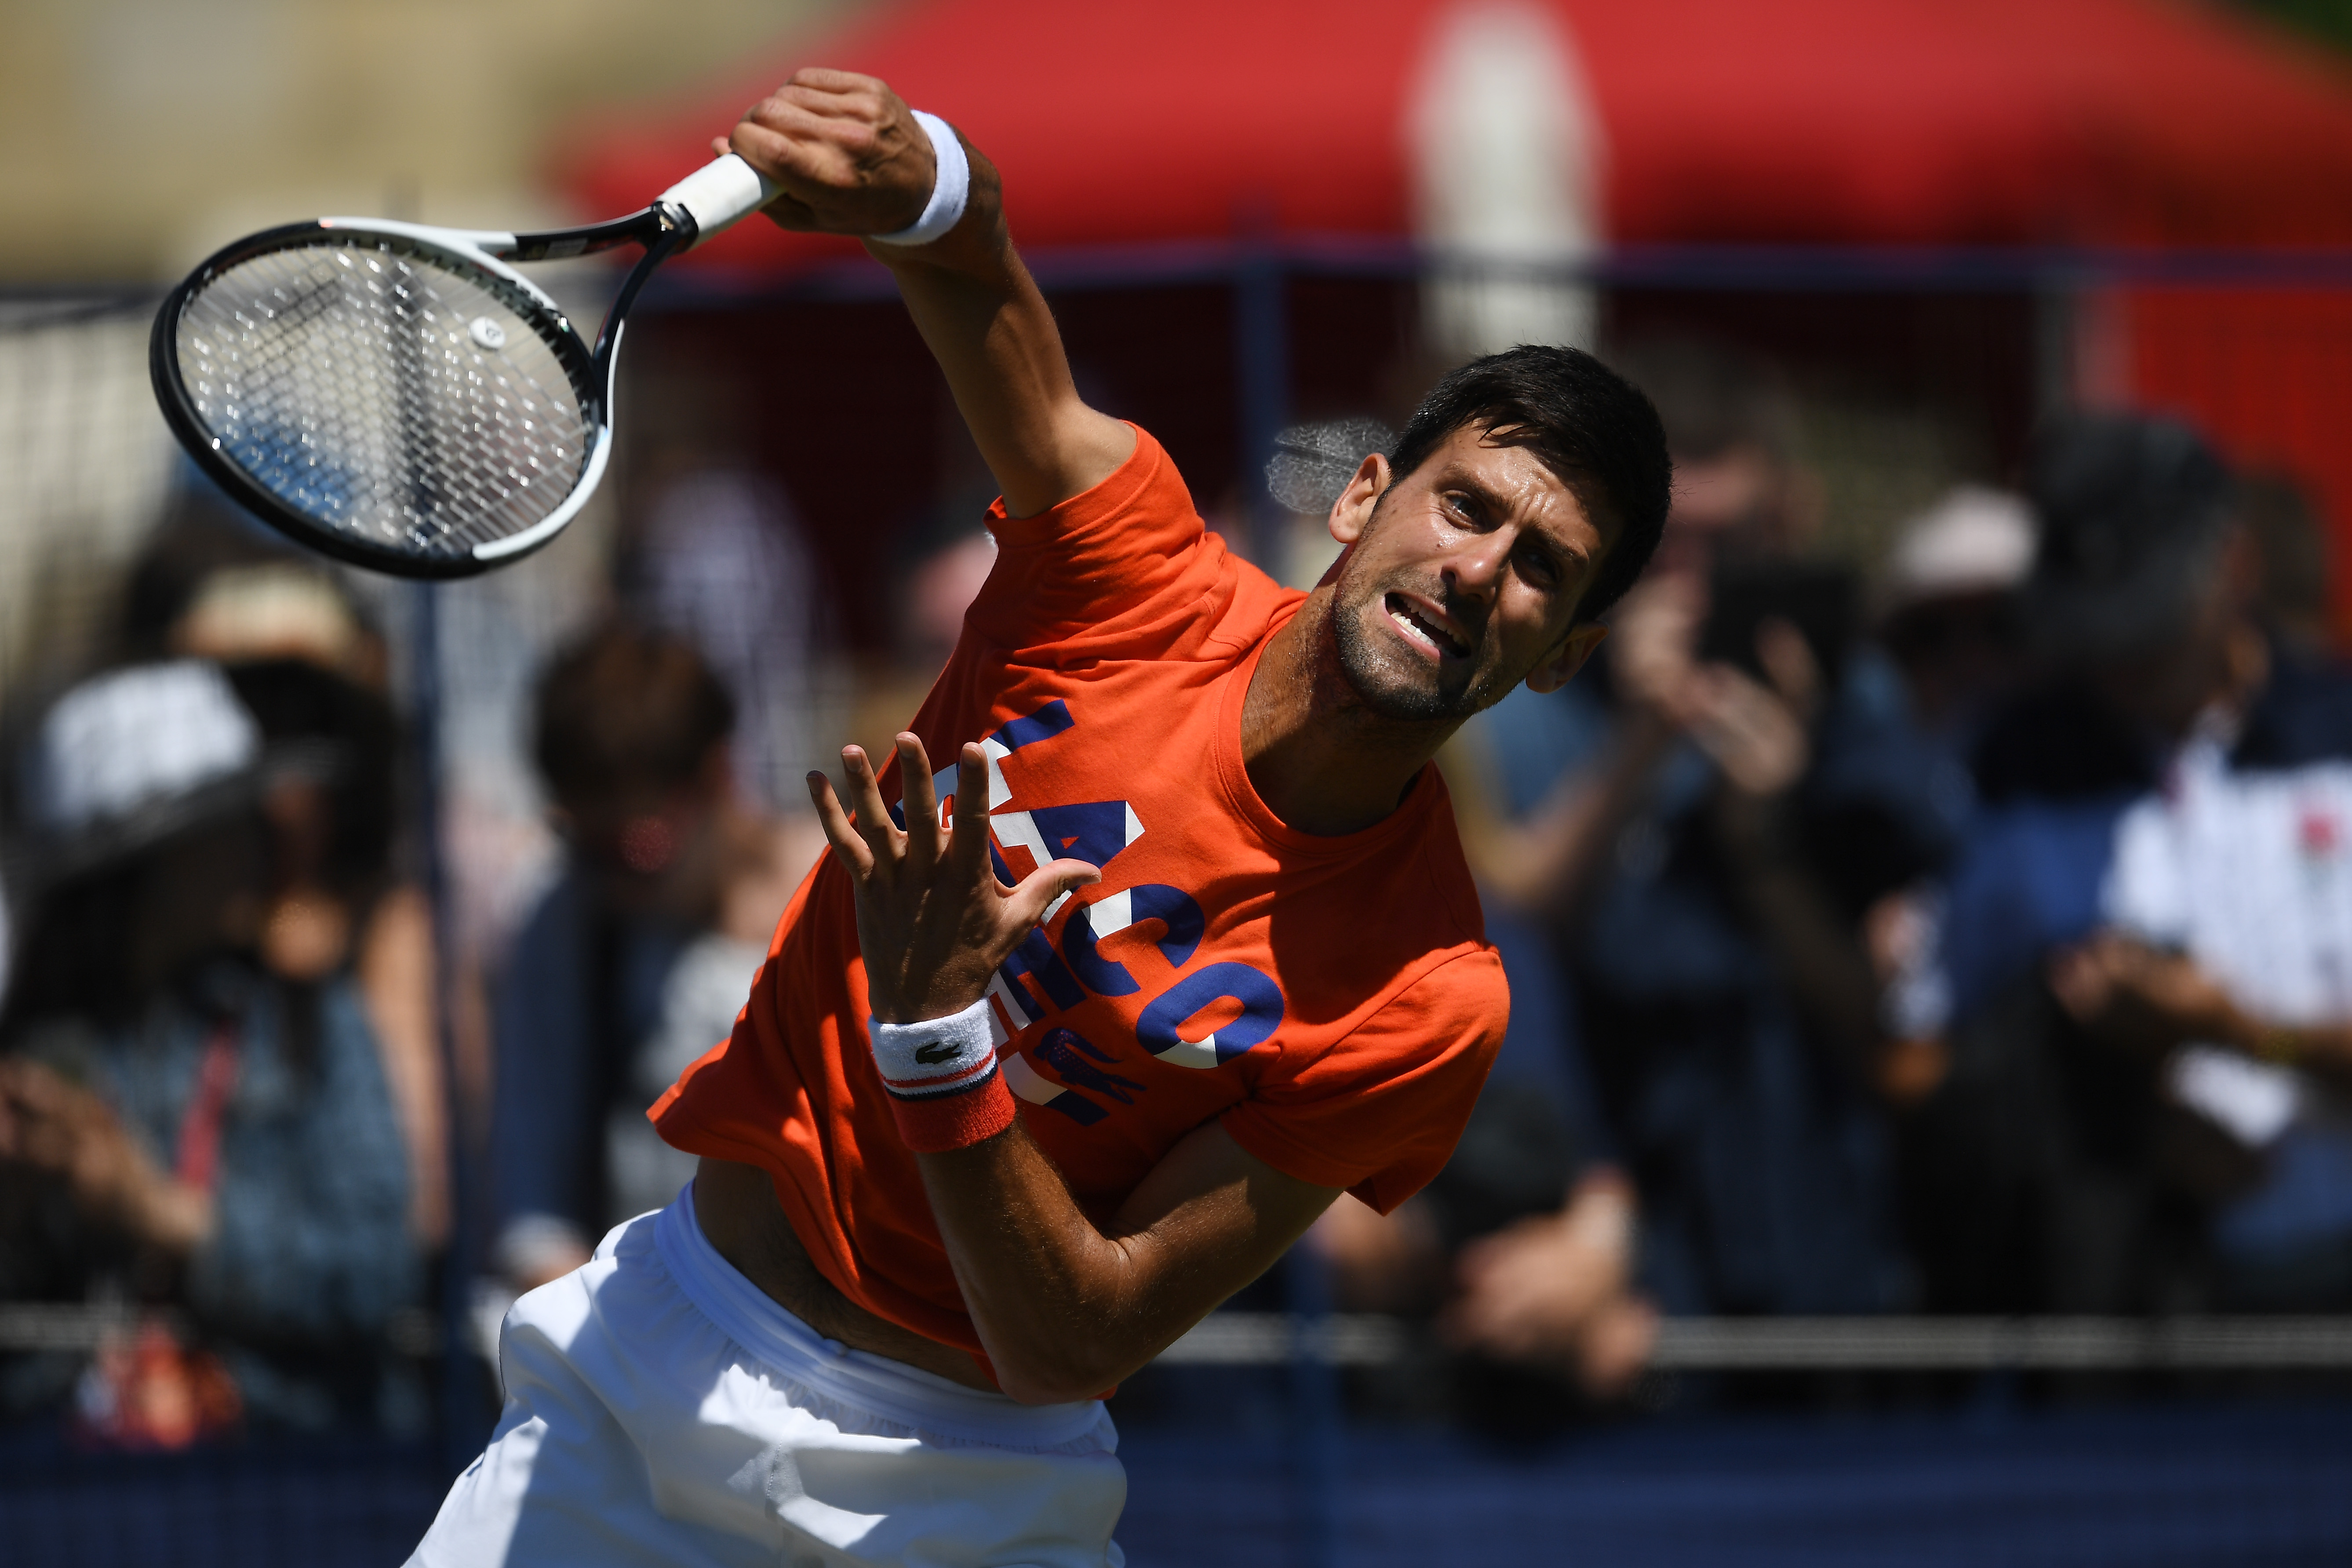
(1381, 676)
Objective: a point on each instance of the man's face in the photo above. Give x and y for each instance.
(1463, 580)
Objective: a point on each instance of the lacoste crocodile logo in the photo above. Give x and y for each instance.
(936, 1052)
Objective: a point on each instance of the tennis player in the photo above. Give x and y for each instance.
(1068, 1041)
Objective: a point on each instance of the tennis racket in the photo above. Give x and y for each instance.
(399, 397)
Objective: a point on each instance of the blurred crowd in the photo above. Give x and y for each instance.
(1968, 931)
(1965, 933)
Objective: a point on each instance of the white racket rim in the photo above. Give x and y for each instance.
(548, 527)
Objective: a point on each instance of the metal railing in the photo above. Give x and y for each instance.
(1834, 1344)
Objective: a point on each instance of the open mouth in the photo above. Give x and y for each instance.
(1418, 626)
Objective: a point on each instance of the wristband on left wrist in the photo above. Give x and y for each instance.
(943, 1079)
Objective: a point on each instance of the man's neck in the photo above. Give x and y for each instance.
(1322, 762)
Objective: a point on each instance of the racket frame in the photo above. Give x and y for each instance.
(664, 228)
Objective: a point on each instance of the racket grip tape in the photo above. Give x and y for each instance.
(719, 194)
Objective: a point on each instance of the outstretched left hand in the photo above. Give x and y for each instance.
(933, 922)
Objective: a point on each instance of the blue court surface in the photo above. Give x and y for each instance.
(2144, 1485)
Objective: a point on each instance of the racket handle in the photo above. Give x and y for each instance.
(718, 193)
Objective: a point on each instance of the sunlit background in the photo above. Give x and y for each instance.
(1742, 1263)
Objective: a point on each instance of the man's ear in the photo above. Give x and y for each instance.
(1353, 512)
(1576, 647)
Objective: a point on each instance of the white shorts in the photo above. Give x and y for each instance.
(662, 1410)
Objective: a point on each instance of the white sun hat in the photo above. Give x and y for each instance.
(1975, 540)
(128, 758)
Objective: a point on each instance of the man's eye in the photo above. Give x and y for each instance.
(1541, 569)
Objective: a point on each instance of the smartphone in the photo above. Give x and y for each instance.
(1824, 602)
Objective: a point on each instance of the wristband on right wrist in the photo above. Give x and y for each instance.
(942, 1076)
(950, 186)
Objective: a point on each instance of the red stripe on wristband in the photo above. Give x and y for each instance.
(954, 1082)
(937, 1123)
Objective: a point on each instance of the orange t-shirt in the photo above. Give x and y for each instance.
(1330, 1001)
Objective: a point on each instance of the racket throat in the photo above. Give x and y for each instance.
(676, 233)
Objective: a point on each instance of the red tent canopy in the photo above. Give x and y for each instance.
(1782, 121)
(1900, 122)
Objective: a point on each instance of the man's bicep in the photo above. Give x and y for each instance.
(1211, 1216)
(1123, 549)
(1071, 449)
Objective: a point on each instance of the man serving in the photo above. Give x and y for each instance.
(1065, 1041)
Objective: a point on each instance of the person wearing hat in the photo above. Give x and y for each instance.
(308, 662)
(190, 1141)
(1945, 604)
(2141, 977)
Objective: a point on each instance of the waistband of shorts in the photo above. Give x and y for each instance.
(874, 1383)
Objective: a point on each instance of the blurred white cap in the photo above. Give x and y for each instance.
(1974, 541)
(128, 744)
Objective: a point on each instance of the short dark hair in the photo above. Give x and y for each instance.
(627, 707)
(1585, 423)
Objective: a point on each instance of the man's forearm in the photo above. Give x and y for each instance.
(1065, 1311)
(985, 322)
(1067, 1307)
(849, 156)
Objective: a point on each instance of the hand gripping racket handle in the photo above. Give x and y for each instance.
(721, 192)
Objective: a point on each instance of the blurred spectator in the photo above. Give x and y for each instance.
(2151, 914)
(717, 551)
(1947, 616)
(639, 958)
(194, 1111)
(2297, 565)
(1945, 599)
(211, 585)
(1701, 823)
(939, 572)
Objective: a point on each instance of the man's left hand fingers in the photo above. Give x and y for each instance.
(917, 800)
(873, 823)
(969, 847)
(1027, 904)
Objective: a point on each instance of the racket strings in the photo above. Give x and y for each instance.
(385, 397)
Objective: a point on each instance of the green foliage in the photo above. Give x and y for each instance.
(2326, 21)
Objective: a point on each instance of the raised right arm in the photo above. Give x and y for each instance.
(851, 159)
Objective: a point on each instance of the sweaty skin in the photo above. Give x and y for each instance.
(1459, 581)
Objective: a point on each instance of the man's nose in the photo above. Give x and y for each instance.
(1476, 570)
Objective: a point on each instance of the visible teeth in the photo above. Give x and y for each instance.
(1423, 632)
(1414, 629)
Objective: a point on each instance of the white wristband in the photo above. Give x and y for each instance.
(951, 187)
(938, 1056)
